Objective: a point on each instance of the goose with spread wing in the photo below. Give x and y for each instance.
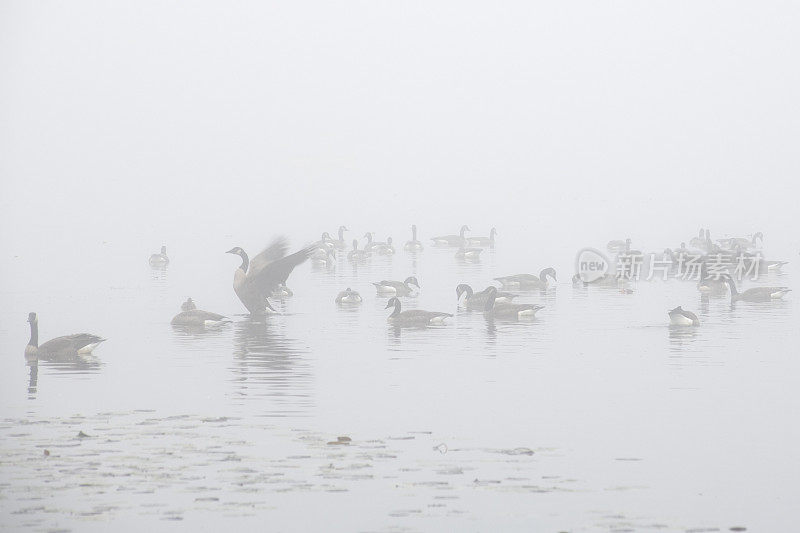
(60, 347)
(256, 278)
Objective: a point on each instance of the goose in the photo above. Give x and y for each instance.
(66, 346)
(348, 296)
(188, 305)
(743, 242)
(413, 245)
(508, 310)
(414, 317)
(528, 281)
(615, 246)
(470, 254)
(710, 283)
(372, 246)
(340, 244)
(483, 241)
(451, 240)
(700, 240)
(386, 248)
(160, 259)
(254, 280)
(477, 300)
(281, 291)
(323, 256)
(756, 294)
(325, 241)
(397, 288)
(681, 317)
(190, 315)
(356, 255)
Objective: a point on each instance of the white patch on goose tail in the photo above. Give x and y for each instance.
(437, 320)
(779, 294)
(677, 319)
(89, 347)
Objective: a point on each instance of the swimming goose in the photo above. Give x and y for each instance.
(528, 281)
(281, 291)
(413, 245)
(160, 259)
(356, 255)
(255, 279)
(756, 294)
(508, 310)
(483, 241)
(348, 296)
(451, 240)
(190, 315)
(708, 284)
(340, 244)
(699, 241)
(188, 305)
(413, 317)
(385, 248)
(66, 346)
(731, 243)
(681, 317)
(397, 288)
(477, 300)
(323, 256)
(470, 254)
(615, 246)
(372, 246)
(325, 241)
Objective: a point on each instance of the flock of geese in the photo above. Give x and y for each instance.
(264, 276)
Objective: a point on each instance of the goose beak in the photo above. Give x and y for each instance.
(388, 305)
(231, 251)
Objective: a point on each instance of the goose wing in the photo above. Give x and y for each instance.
(276, 250)
(274, 270)
(69, 343)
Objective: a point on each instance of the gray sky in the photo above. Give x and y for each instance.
(163, 117)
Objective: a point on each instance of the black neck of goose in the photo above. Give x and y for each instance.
(491, 236)
(34, 335)
(341, 234)
(490, 302)
(414, 233)
(462, 232)
(468, 290)
(245, 261)
(396, 308)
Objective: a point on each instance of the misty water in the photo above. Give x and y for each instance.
(594, 416)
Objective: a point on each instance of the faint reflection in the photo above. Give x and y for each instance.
(268, 364)
(681, 336)
(33, 379)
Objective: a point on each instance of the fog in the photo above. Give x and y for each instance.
(617, 118)
(205, 126)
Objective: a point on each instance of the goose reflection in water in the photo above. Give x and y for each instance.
(266, 363)
(73, 364)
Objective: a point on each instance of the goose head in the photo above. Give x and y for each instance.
(355, 244)
(493, 233)
(164, 249)
(464, 229)
(326, 236)
(758, 235)
(411, 280)
(550, 271)
(236, 251)
(368, 236)
(32, 318)
(389, 241)
(463, 288)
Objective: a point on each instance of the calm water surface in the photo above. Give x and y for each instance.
(595, 416)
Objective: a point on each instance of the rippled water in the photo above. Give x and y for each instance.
(595, 416)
